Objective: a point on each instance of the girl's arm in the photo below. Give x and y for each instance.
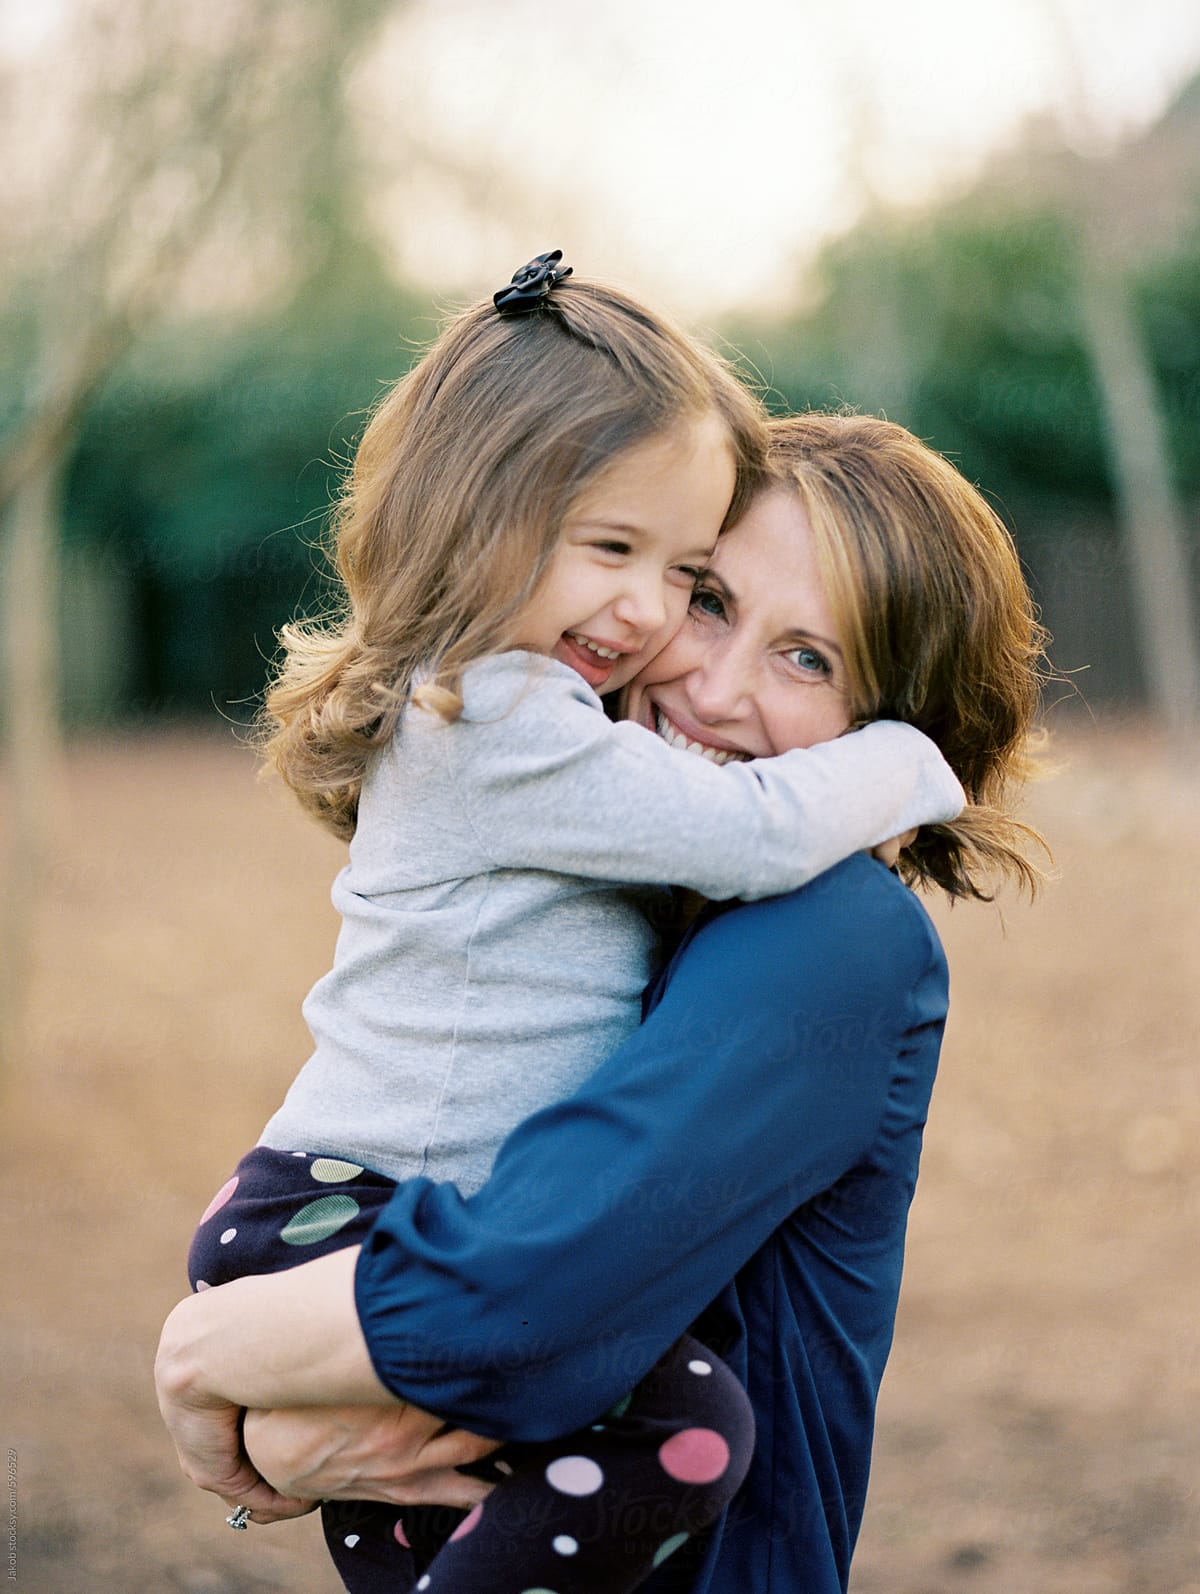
(546, 781)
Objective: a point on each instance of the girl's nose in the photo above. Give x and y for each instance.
(643, 605)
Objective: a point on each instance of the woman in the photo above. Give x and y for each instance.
(748, 1159)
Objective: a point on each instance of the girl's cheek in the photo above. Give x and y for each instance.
(651, 654)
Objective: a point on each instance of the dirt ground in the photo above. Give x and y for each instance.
(1040, 1425)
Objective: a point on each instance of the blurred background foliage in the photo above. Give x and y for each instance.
(197, 456)
(199, 489)
(198, 480)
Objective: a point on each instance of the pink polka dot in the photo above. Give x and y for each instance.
(219, 1200)
(400, 1536)
(468, 1523)
(697, 1455)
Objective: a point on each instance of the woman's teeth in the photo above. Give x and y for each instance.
(592, 647)
(674, 738)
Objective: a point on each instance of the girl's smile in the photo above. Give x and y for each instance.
(629, 554)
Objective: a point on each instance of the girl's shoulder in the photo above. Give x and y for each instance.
(518, 711)
(518, 683)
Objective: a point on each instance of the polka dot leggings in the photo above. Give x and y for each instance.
(592, 1513)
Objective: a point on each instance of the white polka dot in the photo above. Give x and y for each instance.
(701, 1368)
(299, 1153)
(565, 1544)
(350, 1540)
(228, 1235)
(597, 1427)
(503, 1466)
(424, 1583)
(202, 1284)
(574, 1475)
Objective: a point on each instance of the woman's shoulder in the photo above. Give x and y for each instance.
(856, 915)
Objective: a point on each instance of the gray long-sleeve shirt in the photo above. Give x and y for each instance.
(495, 938)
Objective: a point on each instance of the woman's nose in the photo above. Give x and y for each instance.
(719, 688)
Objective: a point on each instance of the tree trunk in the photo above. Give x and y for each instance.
(1151, 515)
(32, 725)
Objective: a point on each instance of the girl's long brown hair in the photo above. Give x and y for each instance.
(460, 485)
(937, 624)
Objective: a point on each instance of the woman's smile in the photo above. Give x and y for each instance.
(690, 737)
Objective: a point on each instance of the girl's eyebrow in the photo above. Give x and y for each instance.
(600, 523)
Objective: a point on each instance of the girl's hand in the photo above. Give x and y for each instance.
(888, 852)
(398, 1454)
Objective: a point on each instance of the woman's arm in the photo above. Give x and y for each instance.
(612, 1219)
(293, 1339)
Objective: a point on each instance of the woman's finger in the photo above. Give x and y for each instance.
(442, 1486)
(269, 1508)
(455, 1448)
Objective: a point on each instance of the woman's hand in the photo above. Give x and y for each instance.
(274, 1346)
(398, 1454)
(206, 1431)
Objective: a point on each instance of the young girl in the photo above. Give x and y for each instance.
(529, 511)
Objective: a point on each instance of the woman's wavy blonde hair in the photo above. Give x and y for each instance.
(937, 624)
(460, 485)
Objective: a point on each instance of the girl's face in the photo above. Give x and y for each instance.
(620, 580)
(757, 667)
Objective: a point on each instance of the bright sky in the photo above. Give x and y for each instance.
(701, 148)
(698, 150)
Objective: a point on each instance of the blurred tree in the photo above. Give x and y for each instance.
(988, 308)
(1109, 236)
(152, 131)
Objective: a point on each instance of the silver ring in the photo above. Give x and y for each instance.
(239, 1517)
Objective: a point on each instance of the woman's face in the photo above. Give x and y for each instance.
(757, 667)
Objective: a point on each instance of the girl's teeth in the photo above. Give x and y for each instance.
(674, 738)
(593, 647)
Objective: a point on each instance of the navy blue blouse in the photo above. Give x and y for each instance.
(744, 1163)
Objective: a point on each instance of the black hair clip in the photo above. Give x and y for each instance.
(531, 285)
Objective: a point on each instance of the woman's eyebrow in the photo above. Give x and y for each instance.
(711, 579)
(801, 633)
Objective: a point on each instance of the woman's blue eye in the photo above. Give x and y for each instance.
(706, 600)
(809, 660)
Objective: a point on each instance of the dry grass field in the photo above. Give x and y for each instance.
(1040, 1426)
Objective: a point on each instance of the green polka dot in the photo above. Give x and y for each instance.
(668, 1547)
(319, 1219)
(621, 1407)
(330, 1171)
